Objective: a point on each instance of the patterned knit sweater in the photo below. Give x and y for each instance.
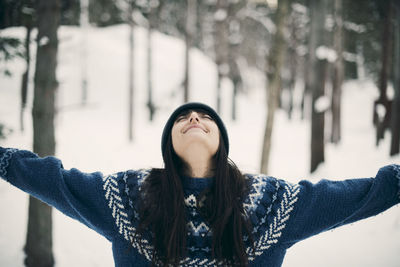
(282, 213)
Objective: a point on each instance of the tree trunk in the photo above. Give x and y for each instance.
(338, 72)
(275, 62)
(131, 74)
(25, 76)
(27, 20)
(191, 19)
(395, 123)
(383, 123)
(39, 243)
(306, 90)
(293, 59)
(38, 246)
(154, 12)
(221, 46)
(84, 23)
(150, 103)
(316, 84)
(235, 39)
(237, 84)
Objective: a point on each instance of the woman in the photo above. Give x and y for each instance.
(199, 210)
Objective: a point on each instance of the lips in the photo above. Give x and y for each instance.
(194, 126)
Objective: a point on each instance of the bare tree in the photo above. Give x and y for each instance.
(297, 30)
(39, 243)
(150, 103)
(84, 23)
(382, 119)
(338, 72)
(153, 10)
(27, 12)
(234, 40)
(275, 62)
(221, 45)
(131, 70)
(317, 78)
(395, 123)
(191, 18)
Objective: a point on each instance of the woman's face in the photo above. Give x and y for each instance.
(196, 129)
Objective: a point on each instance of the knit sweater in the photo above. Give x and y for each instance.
(281, 213)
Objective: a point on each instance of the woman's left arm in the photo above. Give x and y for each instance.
(328, 204)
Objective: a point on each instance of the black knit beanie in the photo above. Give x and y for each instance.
(188, 106)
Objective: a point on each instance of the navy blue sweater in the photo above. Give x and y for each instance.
(282, 213)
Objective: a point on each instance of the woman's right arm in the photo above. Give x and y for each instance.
(77, 194)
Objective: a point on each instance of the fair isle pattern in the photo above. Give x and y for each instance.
(267, 239)
(191, 201)
(125, 228)
(195, 228)
(263, 242)
(200, 230)
(257, 191)
(274, 232)
(189, 262)
(5, 161)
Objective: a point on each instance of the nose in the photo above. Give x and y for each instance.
(194, 117)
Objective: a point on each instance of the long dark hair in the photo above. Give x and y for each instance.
(162, 210)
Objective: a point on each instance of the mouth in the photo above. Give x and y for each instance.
(194, 127)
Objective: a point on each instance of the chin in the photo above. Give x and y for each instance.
(197, 145)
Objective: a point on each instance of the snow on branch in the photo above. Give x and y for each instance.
(381, 111)
(44, 41)
(139, 19)
(351, 26)
(299, 8)
(322, 104)
(260, 18)
(221, 14)
(323, 52)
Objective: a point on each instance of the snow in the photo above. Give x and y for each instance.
(224, 69)
(351, 26)
(220, 14)
(273, 4)
(327, 53)
(381, 111)
(27, 10)
(350, 57)
(95, 137)
(299, 8)
(259, 17)
(322, 104)
(139, 19)
(44, 41)
(301, 50)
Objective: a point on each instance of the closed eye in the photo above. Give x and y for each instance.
(207, 117)
(180, 118)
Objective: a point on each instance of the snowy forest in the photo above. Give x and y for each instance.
(307, 88)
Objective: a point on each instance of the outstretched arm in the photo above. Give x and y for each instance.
(329, 204)
(76, 194)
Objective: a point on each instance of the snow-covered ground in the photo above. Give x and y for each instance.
(94, 138)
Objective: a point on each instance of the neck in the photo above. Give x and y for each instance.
(199, 164)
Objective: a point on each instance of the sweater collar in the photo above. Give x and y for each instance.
(197, 182)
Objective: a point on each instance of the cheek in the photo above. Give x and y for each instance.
(215, 138)
(175, 139)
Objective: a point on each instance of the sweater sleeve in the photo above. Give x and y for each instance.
(330, 204)
(76, 194)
